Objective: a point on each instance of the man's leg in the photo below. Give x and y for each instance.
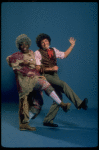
(64, 88)
(53, 110)
(54, 107)
(49, 90)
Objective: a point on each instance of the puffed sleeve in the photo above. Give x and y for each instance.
(13, 61)
(38, 57)
(7, 59)
(59, 54)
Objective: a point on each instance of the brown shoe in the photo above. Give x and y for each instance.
(25, 126)
(65, 106)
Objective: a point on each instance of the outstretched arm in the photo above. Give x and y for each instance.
(55, 68)
(68, 51)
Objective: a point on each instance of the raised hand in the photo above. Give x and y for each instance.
(72, 41)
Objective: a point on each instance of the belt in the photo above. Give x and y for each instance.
(50, 72)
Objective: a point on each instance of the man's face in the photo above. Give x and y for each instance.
(45, 44)
(24, 47)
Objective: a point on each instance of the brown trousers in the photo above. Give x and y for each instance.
(60, 87)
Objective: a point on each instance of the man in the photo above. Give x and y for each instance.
(46, 63)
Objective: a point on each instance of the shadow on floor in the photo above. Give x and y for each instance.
(83, 137)
(71, 132)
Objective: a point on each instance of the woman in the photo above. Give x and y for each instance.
(28, 79)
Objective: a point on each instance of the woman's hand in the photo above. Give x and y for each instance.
(42, 77)
(31, 73)
(25, 63)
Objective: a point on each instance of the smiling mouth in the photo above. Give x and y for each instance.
(46, 46)
(25, 49)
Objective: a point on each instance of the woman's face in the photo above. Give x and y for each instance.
(45, 44)
(24, 47)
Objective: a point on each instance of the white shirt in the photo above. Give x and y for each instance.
(38, 56)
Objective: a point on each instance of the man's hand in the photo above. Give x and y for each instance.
(68, 51)
(72, 41)
(55, 68)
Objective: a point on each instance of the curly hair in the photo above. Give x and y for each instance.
(41, 37)
(21, 38)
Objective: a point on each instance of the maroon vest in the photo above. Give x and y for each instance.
(46, 60)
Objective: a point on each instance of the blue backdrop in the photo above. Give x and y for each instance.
(60, 20)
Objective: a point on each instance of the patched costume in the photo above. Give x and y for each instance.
(25, 83)
(29, 83)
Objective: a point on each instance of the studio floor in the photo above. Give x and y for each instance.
(77, 128)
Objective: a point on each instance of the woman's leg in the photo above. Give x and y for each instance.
(24, 115)
(35, 99)
(49, 90)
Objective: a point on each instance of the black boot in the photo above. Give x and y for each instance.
(84, 104)
(50, 124)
